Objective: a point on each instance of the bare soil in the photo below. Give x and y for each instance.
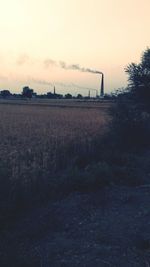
(110, 227)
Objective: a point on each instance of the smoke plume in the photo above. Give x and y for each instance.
(63, 65)
(48, 62)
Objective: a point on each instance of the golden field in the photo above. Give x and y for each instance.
(40, 139)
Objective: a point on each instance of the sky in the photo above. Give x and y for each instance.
(42, 39)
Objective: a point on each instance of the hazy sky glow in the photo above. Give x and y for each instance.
(36, 36)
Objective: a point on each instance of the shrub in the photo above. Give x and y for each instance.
(130, 126)
(131, 116)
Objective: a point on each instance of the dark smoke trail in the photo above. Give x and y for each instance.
(63, 65)
(26, 59)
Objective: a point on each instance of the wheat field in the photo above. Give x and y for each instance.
(39, 140)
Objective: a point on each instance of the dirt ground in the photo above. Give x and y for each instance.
(110, 227)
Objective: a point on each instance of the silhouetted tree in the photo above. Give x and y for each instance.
(79, 96)
(139, 79)
(131, 115)
(5, 93)
(27, 92)
(68, 96)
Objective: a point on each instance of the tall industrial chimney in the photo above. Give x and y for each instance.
(102, 86)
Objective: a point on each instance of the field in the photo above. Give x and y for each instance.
(70, 195)
(40, 139)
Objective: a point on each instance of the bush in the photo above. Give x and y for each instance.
(131, 116)
(130, 126)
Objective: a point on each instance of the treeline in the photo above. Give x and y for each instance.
(29, 93)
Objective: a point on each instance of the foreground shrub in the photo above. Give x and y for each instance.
(130, 126)
(131, 116)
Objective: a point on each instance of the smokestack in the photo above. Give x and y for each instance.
(54, 90)
(102, 86)
(89, 94)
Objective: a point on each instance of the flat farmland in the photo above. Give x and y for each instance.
(39, 139)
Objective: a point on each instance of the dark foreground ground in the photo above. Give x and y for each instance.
(110, 227)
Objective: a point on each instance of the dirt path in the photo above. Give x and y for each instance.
(110, 227)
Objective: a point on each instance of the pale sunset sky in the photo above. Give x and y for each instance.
(38, 35)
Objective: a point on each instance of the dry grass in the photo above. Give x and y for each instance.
(36, 141)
